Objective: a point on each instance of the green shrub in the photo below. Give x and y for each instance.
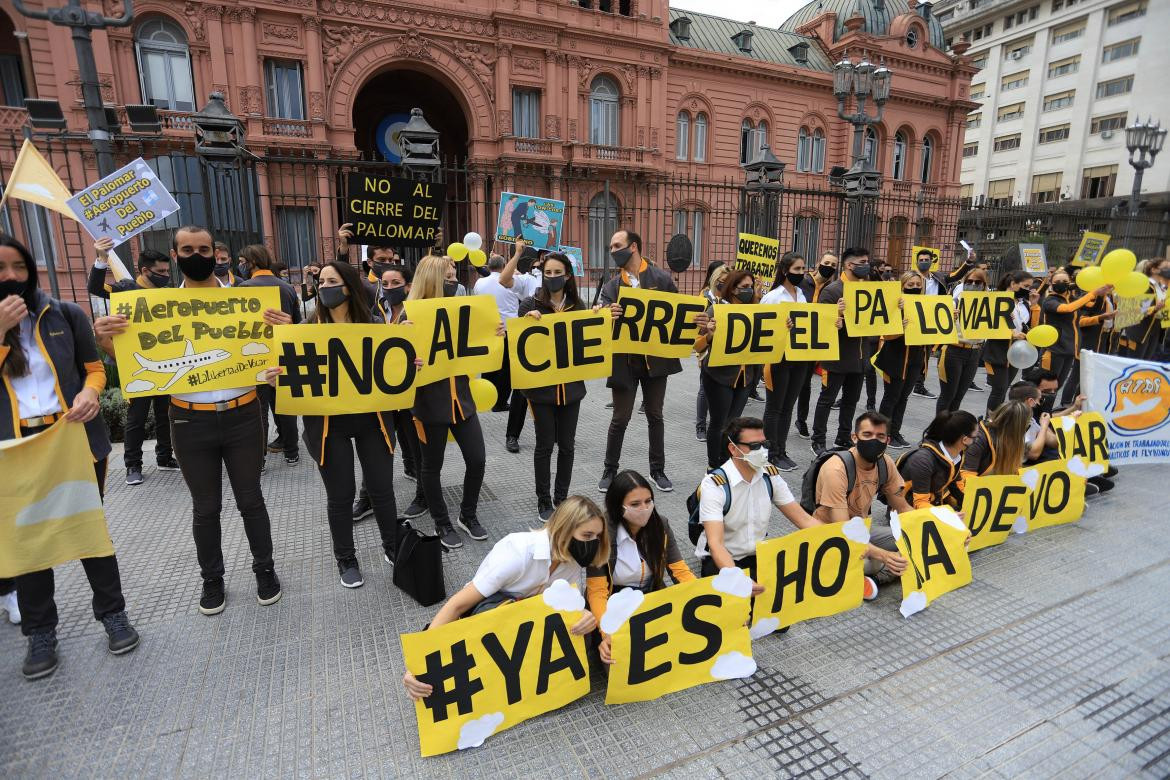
(114, 410)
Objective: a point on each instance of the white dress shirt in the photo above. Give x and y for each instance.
(629, 568)
(36, 391)
(212, 396)
(507, 300)
(519, 566)
(780, 295)
(747, 522)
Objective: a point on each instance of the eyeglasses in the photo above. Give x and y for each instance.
(751, 445)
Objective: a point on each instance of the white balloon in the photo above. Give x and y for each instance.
(473, 241)
(1022, 355)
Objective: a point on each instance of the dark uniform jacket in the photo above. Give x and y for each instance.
(559, 394)
(629, 368)
(853, 349)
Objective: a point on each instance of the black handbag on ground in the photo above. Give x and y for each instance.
(418, 566)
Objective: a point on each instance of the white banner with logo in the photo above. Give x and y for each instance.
(1134, 397)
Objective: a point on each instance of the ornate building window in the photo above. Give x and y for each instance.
(899, 171)
(604, 120)
(164, 65)
(682, 135)
(927, 159)
(699, 145)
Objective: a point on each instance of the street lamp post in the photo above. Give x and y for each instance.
(1144, 141)
(764, 182)
(863, 81)
(220, 145)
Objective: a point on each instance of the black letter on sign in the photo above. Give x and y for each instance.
(658, 314)
(510, 663)
(684, 332)
(640, 644)
(930, 534)
(522, 348)
(1003, 313)
(1098, 449)
(463, 687)
(980, 511)
(380, 358)
(734, 321)
(465, 348)
(441, 340)
(554, 626)
(818, 587)
(1006, 512)
(632, 311)
(693, 624)
(796, 577)
(359, 377)
(581, 343)
(1055, 507)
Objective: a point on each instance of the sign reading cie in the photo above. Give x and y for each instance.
(123, 204)
(384, 209)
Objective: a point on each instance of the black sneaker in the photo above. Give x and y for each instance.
(642, 408)
(409, 474)
(802, 429)
(897, 442)
(267, 587)
(276, 445)
(785, 463)
(754, 395)
(921, 391)
(362, 508)
(842, 443)
(975, 387)
(386, 557)
(701, 432)
(416, 509)
(1110, 472)
(448, 538)
(1103, 484)
(606, 478)
(293, 459)
(512, 444)
(123, 638)
(134, 475)
(351, 573)
(472, 528)
(41, 660)
(168, 464)
(1091, 489)
(817, 448)
(609, 405)
(544, 510)
(213, 599)
(835, 405)
(660, 480)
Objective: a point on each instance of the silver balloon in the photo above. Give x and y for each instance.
(473, 241)
(1022, 355)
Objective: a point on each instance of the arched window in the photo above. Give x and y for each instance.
(818, 144)
(699, 150)
(164, 65)
(803, 150)
(927, 158)
(683, 133)
(746, 135)
(869, 151)
(899, 171)
(603, 113)
(603, 223)
(761, 138)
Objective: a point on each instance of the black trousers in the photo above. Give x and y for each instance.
(849, 385)
(135, 430)
(789, 381)
(517, 409)
(1073, 385)
(723, 403)
(286, 424)
(895, 395)
(958, 367)
(653, 396)
(206, 443)
(802, 400)
(362, 432)
(999, 379)
(1061, 365)
(469, 436)
(502, 380)
(555, 425)
(709, 569)
(35, 590)
(701, 408)
(870, 386)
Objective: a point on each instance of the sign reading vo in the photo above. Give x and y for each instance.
(387, 210)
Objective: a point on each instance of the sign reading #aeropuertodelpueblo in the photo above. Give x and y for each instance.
(123, 204)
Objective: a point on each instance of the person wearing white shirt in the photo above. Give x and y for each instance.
(213, 430)
(730, 539)
(524, 564)
(784, 381)
(516, 280)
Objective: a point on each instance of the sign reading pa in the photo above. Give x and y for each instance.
(387, 210)
(190, 339)
(123, 204)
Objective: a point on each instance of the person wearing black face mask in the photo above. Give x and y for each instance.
(786, 380)
(154, 272)
(1062, 311)
(900, 366)
(999, 373)
(1140, 340)
(223, 264)
(937, 282)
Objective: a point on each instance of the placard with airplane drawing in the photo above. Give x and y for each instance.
(189, 340)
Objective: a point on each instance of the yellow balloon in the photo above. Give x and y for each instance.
(1089, 279)
(477, 257)
(1117, 264)
(457, 251)
(483, 393)
(1133, 284)
(1042, 336)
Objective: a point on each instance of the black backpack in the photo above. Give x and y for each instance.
(808, 485)
(719, 477)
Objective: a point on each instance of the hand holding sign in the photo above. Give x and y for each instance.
(871, 308)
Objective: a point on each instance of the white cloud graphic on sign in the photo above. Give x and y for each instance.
(948, 516)
(64, 500)
(733, 581)
(474, 732)
(895, 525)
(262, 376)
(855, 531)
(764, 627)
(1077, 465)
(733, 665)
(915, 602)
(1031, 478)
(139, 386)
(1020, 526)
(255, 348)
(619, 608)
(564, 597)
(1067, 422)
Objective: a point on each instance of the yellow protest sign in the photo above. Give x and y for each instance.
(814, 334)
(814, 572)
(930, 319)
(758, 255)
(1056, 496)
(747, 334)
(1130, 311)
(656, 323)
(871, 308)
(459, 334)
(560, 348)
(986, 315)
(932, 542)
(330, 368)
(50, 507)
(1034, 259)
(1091, 249)
(678, 637)
(497, 669)
(191, 339)
(991, 507)
(935, 256)
(1084, 437)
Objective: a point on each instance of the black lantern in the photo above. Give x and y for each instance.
(219, 134)
(420, 144)
(765, 172)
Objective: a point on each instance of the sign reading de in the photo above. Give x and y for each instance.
(993, 507)
(123, 204)
(387, 210)
(747, 334)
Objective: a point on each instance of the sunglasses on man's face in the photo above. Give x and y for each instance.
(751, 445)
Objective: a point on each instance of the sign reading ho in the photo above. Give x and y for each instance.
(123, 204)
(386, 210)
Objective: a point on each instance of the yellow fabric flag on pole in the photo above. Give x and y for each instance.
(50, 507)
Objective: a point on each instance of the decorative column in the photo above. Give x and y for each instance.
(503, 88)
(656, 108)
(315, 75)
(571, 100)
(213, 19)
(552, 79)
(252, 91)
(643, 106)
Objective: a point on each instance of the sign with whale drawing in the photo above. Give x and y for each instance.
(188, 340)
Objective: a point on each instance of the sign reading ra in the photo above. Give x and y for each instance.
(123, 204)
(930, 319)
(494, 670)
(871, 308)
(559, 348)
(758, 256)
(747, 334)
(656, 323)
(932, 542)
(986, 315)
(386, 210)
(459, 335)
(358, 368)
(993, 507)
(812, 334)
(184, 340)
(678, 637)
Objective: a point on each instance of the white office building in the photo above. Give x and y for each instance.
(1059, 82)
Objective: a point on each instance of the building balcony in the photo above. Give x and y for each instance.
(540, 147)
(287, 128)
(596, 153)
(12, 117)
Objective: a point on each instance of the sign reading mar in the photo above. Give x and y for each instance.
(393, 211)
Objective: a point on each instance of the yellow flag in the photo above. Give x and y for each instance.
(34, 180)
(50, 507)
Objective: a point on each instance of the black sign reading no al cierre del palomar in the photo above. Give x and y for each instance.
(394, 212)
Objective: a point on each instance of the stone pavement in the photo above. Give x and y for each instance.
(1053, 662)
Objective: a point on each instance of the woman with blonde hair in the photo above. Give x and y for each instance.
(998, 446)
(524, 564)
(717, 271)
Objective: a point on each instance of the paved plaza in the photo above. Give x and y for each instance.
(1052, 663)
